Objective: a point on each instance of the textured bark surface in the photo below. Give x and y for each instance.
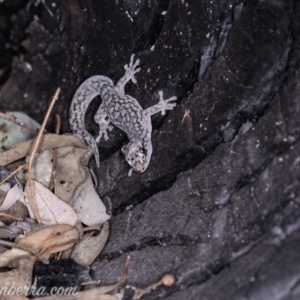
(219, 205)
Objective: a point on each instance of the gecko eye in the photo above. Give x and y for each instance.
(142, 150)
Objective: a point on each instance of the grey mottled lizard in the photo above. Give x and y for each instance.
(122, 110)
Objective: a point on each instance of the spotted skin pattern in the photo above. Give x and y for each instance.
(121, 110)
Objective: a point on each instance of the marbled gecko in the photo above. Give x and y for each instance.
(121, 110)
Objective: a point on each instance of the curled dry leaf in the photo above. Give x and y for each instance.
(20, 276)
(52, 239)
(51, 209)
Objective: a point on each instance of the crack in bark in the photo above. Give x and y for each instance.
(162, 241)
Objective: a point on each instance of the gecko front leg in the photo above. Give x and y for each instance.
(130, 71)
(101, 119)
(161, 106)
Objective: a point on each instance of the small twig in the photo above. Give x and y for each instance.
(94, 177)
(58, 123)
(34, 150)
(13, 173)
(54, 156)
(167, 280)
(11, 217)
(24, 127)
(59, 254)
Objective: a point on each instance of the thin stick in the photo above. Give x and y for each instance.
(11, 217)
(24, 127)
(37, 142)
(13, 173)
(167, 280)
(54, 156)
(58, 123)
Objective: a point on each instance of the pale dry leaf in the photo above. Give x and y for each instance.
(5, 187)
(71, 171)
(13, 132)
(2, 195)
(89, 247)
(51, 209)
(73, 184)
(41, 167)
(88, 205)
(14, 194)
(52, 239)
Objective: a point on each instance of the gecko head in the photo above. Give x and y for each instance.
(138, 154)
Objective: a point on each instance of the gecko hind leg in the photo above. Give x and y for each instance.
(161, 106)
(92, 143)
(101, 119)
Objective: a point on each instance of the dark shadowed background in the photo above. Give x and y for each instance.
(219, 205)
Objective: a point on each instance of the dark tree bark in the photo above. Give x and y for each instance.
(219, 205)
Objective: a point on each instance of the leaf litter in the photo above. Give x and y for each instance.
(44, 225)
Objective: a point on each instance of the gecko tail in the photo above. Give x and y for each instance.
(92, 143)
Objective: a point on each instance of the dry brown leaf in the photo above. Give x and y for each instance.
(51, 209)
(52, 239)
